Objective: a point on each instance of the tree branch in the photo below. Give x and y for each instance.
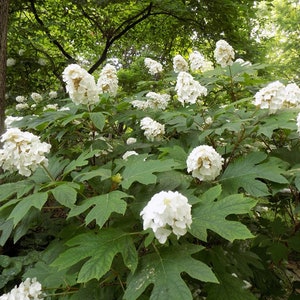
(144, 14)
(46, 30)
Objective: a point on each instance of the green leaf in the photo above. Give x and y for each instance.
(103, 206)
(98, 119)
(36, 200)
(82, 160)
(141, 170)
(103, 173)
(211, 214)
(229, 288)
(98, 251)
(65, 194)
(20, 188)
(164, 270)
(282, 119)
(6, 228)
(245, 172)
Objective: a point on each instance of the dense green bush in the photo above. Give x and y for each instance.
(76, 225)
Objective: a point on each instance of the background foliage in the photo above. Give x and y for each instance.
(77, 228)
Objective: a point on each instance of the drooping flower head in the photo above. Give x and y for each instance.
(188, 89)
(22, 151)
(205, 163)
(153, 66)
(80, 85)
(152, 130)
(224, 53)
(270, 97)
(30, 289)
(165, 213)
(108, 80)
(180, 64)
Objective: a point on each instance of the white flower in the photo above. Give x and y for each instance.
(21, 106)
(30, 289)
(180, 64)
(270, 97)
(157, 101)
(153, 66)
(298, 123)
(208, 121)
(10, 119)
(52, 94)
(21, 52)
(22, 151)
(292, 95)
(130, 141)
(152, 129)
(224, 53)
(197, 61)
(139, 104)
(51, 107)
(80, 85)
(10, 62)
(129, 153)
(108, 80)
(204, 163)
(20, 99)
(242, 62)
(36, 97)
(188, 89)
(165, 213)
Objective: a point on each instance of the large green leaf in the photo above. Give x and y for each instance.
(36, 200)
(245, 172)
(229, 288)
(211, 214)
(20, 188)
(65, 194)
(164, 270)
(98, 119)
(102, 207)
(139, 169)
(98, 251)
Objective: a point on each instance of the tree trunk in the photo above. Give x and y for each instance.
(3, 45)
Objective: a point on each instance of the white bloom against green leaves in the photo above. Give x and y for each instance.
(152, 130)
(10, 62)
(165, 213)
(129, 153)
(30, 289)
(22, 151)
(224, 53)
(80, 85)
(180, 64)
(22, 106)
(108, 80)
(52, 94)
(153, 66)
(9, 120)
(188, 89)
(20, 99)
(36, 97)
(270, 97)
(197, 61)
(205, 163)
(157, 101)
(292, 95)
(131, 141)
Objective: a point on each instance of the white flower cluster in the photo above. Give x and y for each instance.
(52, 94)
(198, 62)
(154, 101)
(165, 213)
(9, 120)
(22, 151)
(108, 80)
(276, 96)
(153, 66)
(10, 62)
(131, 141)
(180, 64)
(204, 163)
(188, 89)
(80, 85)
(30, 289)
(20, 99)
(36, 97)
(224, 53)
(152, 129)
